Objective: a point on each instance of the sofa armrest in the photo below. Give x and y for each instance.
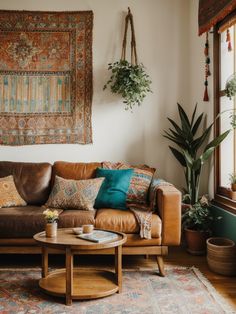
(169, 208)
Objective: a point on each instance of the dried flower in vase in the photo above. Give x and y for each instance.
(51, 216)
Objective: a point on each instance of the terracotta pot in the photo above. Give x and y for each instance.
(232, 195)
(51, 230)
(196, 241)
(233, 186)
(221, 256)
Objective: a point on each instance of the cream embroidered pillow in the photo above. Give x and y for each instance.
(9, 195)
(74, 194)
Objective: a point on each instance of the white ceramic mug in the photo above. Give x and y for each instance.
(78, 230)
(87, 228)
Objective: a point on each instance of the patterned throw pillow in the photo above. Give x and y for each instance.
(139, 183)
(9, 195)
(74, 194)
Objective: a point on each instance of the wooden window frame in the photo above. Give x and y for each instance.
(220, 193)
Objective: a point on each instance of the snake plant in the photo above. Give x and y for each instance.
(192, 150)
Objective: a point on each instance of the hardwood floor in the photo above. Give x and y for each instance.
(226, 286)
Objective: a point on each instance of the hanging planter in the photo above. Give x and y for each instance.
(230, 86)
(129, 79)
(230, 91)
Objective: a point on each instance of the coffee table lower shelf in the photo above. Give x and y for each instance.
(87, 284)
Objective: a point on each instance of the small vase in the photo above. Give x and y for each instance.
(51, 230)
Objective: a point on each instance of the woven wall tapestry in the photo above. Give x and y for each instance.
(45, 77)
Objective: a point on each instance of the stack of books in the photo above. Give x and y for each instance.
(98, 236)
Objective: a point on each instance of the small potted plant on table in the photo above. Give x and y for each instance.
(51, 218)
(233, 181)
(232, 191)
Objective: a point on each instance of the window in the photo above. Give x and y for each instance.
(225, 161)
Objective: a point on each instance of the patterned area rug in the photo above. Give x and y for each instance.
(183, 290)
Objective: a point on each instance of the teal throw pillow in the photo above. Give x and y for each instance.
(113, 191)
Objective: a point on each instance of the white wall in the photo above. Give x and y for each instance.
(169, 47)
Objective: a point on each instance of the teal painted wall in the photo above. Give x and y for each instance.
(225, 227)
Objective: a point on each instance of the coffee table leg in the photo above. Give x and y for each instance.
(69, 276)
(118, 266)
(44, 262)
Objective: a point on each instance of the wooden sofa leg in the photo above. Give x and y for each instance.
(161, 266)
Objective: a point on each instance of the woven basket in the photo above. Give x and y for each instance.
(221, 256)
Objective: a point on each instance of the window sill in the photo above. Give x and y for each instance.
(224, 202)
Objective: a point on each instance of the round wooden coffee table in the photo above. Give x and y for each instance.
(77, 283)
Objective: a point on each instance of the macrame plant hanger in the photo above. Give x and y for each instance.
(134, 58)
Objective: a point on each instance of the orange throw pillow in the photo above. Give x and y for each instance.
(9, 195)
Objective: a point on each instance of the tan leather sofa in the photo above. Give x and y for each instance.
(34, 182)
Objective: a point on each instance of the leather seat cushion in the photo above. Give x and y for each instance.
(21, 222)
(76, 218)
(135, 240)
(124, 221)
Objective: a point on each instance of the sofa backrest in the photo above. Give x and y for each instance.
(75, 170)
(32, 179)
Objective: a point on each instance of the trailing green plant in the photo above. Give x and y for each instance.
(233, 119)
(230, 87)
(192, 152)
(230, 91)
(130, 81)
(198, 217)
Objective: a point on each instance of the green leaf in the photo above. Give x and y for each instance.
(193, 116)
(196, 124)
(179, 156)
(188, 158)
(206, 154)
(178, 137)
(200, 140)
(185, 123)
(216, 141)
(183, 115)
(171, 138)
(178, 129)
